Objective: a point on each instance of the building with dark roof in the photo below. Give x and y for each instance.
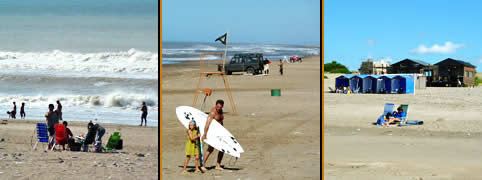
(408, 66)
(450, 71)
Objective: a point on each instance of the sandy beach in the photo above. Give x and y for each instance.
(280, 135)
(446, 146)
(137, 160)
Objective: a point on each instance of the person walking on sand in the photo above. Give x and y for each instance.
(22, 111)
(281, 67)
(52, 119)
(144, 114)
(13, 113)
(216, 114)
(191, 146)
(59, 110)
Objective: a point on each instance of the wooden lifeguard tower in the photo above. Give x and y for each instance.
(211, 70)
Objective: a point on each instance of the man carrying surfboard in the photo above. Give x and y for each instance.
(216, 114)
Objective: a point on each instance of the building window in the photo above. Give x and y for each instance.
(471, 74)
(466, 73)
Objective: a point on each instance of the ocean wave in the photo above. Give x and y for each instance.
(100, 64)
(189, 51)
(117, 99)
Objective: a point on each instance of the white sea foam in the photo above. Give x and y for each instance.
(126, 64)
(116, 99)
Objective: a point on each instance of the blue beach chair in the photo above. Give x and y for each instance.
(388, 108)
(42, 135)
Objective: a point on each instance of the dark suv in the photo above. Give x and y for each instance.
(251, 63)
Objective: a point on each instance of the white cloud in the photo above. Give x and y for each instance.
(371, 42)
(447, 48)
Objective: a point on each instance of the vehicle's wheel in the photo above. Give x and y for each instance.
(250, 70)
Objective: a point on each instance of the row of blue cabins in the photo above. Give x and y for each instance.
(383, 84)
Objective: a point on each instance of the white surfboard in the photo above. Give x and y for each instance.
(218, 136)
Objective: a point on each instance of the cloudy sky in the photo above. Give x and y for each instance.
(394, 30)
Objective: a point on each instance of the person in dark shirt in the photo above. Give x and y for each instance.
(22, 111)
(70, 136)
(59, 110)
(13, 113)
(144, 114)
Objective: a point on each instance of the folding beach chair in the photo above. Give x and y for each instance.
(388, 108)
(405, 109)
(42, 135)
(60, 135)
(331, 90)
(113, 141)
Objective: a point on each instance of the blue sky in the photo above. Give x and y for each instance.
(394, 30)
(79, 7)
(248, 21)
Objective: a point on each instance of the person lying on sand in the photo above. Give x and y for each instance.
(216, 114)
(192, 147)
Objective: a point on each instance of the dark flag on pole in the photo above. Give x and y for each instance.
(222, 38)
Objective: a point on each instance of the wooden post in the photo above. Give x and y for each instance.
(223, 77)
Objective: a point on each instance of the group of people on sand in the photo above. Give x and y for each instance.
(53, 118)
(343, 89)
(194, 139)
(391, 118)
(13, 113)
(267, 62)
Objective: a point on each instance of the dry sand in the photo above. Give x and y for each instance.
(19, 161)
(447, 146)
(280, 135)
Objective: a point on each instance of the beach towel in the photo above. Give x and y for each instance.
(412, 122)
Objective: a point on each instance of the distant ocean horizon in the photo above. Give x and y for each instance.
(176, 52)
(100, 59)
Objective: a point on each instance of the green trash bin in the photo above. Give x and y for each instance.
(275, 92)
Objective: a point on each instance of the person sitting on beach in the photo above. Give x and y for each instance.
(22, 111)
(69, 135)
(52, 119)
(192, 146)
(384, 119)
(347, 91)
(397, 116)
(13, 113)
